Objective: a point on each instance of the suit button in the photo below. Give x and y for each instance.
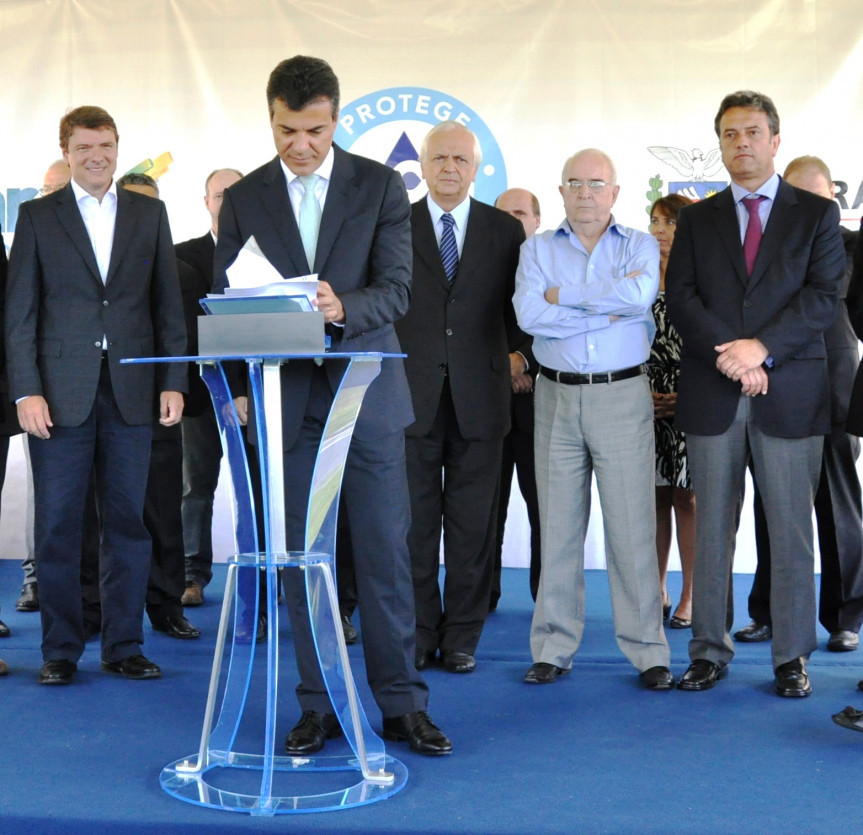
(98, 344)
(449, 332)
(747, 304)
(105, 303)
(442, 366)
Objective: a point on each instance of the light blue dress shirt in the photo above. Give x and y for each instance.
(577, 334)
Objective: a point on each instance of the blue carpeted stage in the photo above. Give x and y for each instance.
(591, 753)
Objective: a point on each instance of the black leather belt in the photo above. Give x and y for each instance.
(570, 379)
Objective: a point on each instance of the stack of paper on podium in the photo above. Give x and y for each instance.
(261, 312)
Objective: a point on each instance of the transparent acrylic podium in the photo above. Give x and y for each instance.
(218, 775)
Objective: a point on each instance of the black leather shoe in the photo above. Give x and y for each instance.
(133, 667)
(176, 626)
(843, 640)
(850, 718)
(860, 685)
(679, 623)
(542, 673)
(701, 675)
(458, 662)
(423, 658)
(4, 630)
(58, 671)
(244, 630)
(791, 679)
(754, 633)
(657, 678)
(28, 600)
(420, 732)
(311, 732)
(349, 629)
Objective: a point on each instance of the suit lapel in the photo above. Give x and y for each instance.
(70, 218)
(779, 220)
(340, 194)
(278, 207)
(729, 232)
(475, 242)
(425, 243)
(124, 227)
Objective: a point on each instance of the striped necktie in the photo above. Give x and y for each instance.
(448, 247)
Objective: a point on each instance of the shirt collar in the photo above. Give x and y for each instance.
(80, 193)
(613, 225)
(768, 189)
(324, 170)
(459, 213)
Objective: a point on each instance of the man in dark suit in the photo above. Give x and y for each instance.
(838, 499)
(362, 255)
(455, 334)
(202, 446)
(518, 444)
(93, 280)
(753, 280)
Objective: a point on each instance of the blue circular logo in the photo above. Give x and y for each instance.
(389, 126)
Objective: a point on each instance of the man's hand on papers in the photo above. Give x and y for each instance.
(329, 304)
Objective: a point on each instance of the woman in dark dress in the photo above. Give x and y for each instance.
(673, 487)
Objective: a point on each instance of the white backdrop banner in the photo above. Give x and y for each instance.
(535, 79)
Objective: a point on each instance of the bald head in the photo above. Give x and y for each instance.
(523, 206)
(215, 186)
(56, 177)
(810, 174)
(589, 189)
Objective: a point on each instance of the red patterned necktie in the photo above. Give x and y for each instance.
(752, 238)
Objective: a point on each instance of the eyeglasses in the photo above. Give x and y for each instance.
(593, 185)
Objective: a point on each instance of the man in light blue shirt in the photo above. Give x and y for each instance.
(584, 291)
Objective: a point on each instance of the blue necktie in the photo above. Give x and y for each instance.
(448, 247)
(310, 217)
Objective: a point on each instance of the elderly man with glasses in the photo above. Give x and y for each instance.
(584, 291)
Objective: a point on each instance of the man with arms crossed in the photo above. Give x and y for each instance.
(584, 291)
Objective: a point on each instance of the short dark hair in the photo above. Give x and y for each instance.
(87, 116)
(133, 178)
(670, 205)
(300, 80)
(753, 100)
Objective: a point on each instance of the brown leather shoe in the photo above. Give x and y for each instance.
(4, 667)
(193, 595)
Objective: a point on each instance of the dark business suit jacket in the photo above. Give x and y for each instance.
(855, 314)
(363, 252)
(195, 269)
(462, 331)
(787, 303)
(55, 324)
(364, 216)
